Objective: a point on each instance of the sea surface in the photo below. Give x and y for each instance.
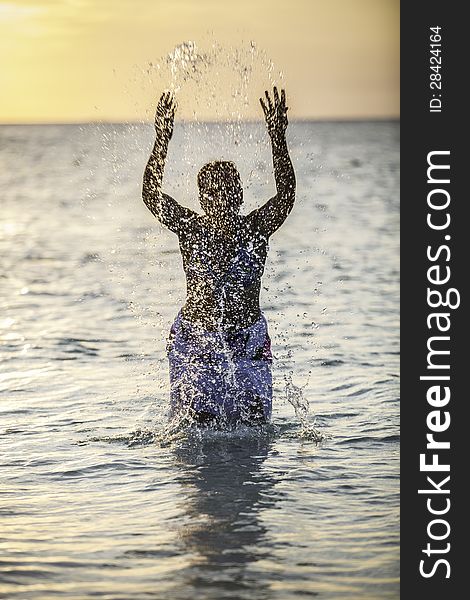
(98, 498)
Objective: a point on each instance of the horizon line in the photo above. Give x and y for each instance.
(205, 121)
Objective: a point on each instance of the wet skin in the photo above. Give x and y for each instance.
(223, 252)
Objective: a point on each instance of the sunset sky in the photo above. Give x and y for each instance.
(78, 60)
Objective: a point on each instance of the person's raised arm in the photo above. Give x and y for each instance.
(164, 207)
(272, 215)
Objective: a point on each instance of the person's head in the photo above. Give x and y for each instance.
(220, 190)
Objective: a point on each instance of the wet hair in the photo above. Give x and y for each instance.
(220, 187)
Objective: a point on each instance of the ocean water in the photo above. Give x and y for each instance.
(97, 497)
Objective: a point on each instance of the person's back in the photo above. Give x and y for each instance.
(223, 270)
(219, 347)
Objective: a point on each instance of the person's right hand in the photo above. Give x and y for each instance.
(165, 115)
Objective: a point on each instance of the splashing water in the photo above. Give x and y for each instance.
(213, 71)
(224, 83)
(186, 63)
(214, 81)
(182, 428)
(296, 398)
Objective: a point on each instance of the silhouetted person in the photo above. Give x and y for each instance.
(219, 348)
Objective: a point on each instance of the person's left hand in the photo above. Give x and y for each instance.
(165, 115)
(275, 113)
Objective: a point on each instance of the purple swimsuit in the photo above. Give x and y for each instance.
(223, 374)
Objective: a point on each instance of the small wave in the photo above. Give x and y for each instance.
(344, 386)
(384, 439)
(360, 392)
(334, 362)
(150, 553)
(127, 439)
(338, 415)
(78, 346)
(90, 257)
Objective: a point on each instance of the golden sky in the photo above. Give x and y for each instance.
(86, 60)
